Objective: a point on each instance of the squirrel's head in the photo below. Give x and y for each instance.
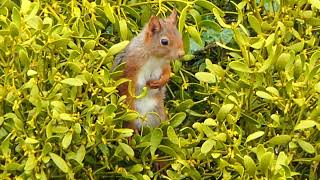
(163, 37)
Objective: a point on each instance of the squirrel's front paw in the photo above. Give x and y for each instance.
(155, 84)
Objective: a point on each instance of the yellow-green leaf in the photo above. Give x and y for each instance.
(31, 141)
(62, 165)
(254, 136)
(207, 146)
(30, 163)
(224, 110)
(116, 48)
(217, 14)
(66, 117)
(123, 29)
(156, 138)
(239, 66)
(195, 35)
(208, 5)
(254, 23)
(182, 19)
(264, 95)
(172, 135)
(14, 30)
(306, 146)
(72, 82)
(177, 119)
(127, 149)
(266, 161)
(304, 124)
(281, 139)
(109, 13)
(249, 165)
(89, 45)
(206, 77)
(66, 141)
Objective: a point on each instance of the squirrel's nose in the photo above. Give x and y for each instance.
(180, 53)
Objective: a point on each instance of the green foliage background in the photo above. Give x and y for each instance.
(244, 105)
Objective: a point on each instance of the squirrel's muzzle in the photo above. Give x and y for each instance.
(180, 53)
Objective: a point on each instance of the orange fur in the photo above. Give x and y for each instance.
(146, 51)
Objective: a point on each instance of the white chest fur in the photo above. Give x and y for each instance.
(152, 70)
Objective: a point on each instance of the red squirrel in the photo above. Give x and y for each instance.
(147, 58)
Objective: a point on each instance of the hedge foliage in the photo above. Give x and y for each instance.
(244, 104)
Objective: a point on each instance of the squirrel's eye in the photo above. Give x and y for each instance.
(164, 41)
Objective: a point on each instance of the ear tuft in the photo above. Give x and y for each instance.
(154, 24)
(173, 17)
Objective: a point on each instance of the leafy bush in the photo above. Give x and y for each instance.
(244, 105)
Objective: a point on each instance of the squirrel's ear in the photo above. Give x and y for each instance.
(154, 24)
(173, 16)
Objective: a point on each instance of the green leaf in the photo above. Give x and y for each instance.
(16, 17)
(282, 159)
(127, 149)
(130, 116)
(254, 136)
(47, 148)
(270, 40)
(184, 105)
(31, 72)
(239, 66)
(224, 110)
(249, 165)
(282, 61)
(62, 165)
(172, 135)
(168, 150)
(30, 163)
(214, 69)
(66, 117)
(72, 82)
(264, 95)
(273, 91)
(218, 13)
(207, 146)
(132, 12)
(136, 168)
(23, 56)
(156, 138)
(89, 46)
(206, 77)
(266, 161)
(177, 119)
(195, 35)
(123, 29)
(31, 141)
(306, 146)
(304, 124)
(108, 10)
(66, 141)
(280, 139)
(63, 42)
(14, 30)
(182, 19)
(208, 5)
(80, 154)
(297, 47)
(255, 24)
(116, 48)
